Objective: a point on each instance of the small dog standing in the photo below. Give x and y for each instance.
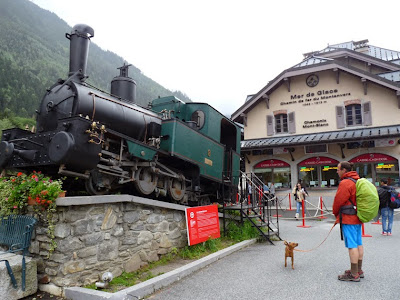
(289, 251)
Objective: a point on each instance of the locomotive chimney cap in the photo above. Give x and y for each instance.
(83, 29)
(123, 71)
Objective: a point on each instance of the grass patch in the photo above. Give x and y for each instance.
(235, 234)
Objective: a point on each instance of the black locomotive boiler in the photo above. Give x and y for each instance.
(175, 150)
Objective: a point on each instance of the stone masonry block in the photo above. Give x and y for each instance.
(7, 291)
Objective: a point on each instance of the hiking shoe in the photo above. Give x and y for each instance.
(384, 233)
(349, 277)
(360, 273)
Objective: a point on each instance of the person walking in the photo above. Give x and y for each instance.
(346, 215)
(299, 196)
(265, 189)
(272, 189)
(272, 193)
(386, 211)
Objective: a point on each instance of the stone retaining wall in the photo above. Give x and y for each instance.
(107, 233)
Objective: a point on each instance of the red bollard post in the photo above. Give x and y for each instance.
(377, 222)
(290, 202)
(322, 210)
(304, 220)
(363, 233)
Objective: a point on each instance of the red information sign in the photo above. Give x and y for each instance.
(202, 223)
(372, 157)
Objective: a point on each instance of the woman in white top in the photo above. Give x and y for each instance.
(299, 196)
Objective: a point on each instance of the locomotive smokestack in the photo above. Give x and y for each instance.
(79, 49)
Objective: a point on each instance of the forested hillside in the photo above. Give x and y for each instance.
(34, 53)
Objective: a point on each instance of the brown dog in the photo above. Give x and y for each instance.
(289, 251)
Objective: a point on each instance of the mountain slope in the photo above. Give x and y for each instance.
(34, 53)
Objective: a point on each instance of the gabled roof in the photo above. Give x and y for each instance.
(326, 59)
(312, 60)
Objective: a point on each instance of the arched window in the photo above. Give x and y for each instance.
(281, 123)
(353, 115)
(199, 118)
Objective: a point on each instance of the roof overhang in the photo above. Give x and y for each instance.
(332, 137)
(360, 56)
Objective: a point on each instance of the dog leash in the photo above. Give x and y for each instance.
(319, 244)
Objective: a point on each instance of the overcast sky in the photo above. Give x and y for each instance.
(220, 51)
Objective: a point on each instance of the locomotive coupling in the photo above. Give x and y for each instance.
(7, 150)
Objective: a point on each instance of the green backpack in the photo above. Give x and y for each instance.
(367, 199)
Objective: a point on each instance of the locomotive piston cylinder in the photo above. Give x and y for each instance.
(73, 150)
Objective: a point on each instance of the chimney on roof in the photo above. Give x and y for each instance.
(361, 46)
(309, 54)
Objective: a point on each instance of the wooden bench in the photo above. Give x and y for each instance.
(15, 236)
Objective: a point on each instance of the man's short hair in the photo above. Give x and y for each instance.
(346, 165)
(384, 181)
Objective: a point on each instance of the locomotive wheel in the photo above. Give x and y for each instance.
(145, 181)
(97, 184)
(177, 189)
(204, 201)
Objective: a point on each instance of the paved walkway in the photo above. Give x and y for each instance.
(258, 272)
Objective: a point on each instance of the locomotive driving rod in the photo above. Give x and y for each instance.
(62, 171)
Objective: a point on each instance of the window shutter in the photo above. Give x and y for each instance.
(340, 117)
(270, 125)
(292, 122)
(367, 118)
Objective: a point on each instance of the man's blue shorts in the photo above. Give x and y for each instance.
(352, 235)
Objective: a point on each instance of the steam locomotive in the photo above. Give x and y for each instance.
(186, 152)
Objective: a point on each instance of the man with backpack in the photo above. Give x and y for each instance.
(386, 210)
(346, 215)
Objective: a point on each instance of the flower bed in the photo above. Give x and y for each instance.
(21, 191)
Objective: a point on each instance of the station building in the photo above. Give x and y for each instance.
(340, 103)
